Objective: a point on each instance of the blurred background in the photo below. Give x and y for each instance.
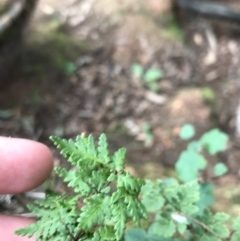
(137, 70)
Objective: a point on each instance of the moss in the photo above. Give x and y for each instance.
(46, 53)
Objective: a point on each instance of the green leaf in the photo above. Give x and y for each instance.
(236, 228)
(120, 218)
(52, 212)
(103, 151)
(134, 208)
(163, 227)
(105, 233)
(152, 75)
(214, 141)
(94, 212)
(137, 70)
(91, 149)
(151, 196)
(129, 183)
(189, 164)
(188, 196)
(236, 224)
(195, 146)
(70, 68)
(181, 227)
(220, 169)
(187, 132)
(119, 159)
(207, 197)
(136, 234)
(216, 223)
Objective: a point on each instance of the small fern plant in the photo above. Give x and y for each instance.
(106, 196)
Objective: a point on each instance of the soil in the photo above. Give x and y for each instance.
(76, 76)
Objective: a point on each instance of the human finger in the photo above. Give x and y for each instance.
(8, 225)
(24, 164)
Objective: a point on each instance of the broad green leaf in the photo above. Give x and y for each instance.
(216, 223)
(188, 196)
(163, 227)
(187, 132)
(151, 196)
(170, 181)
(194, 146)
(219, 226)
(207, 197)
(70, 68)
(189, 164)
(236, 228)
(214, 141)
(152, 75)
(220, 169)
(137, 70)
(236, 224)
(207, 237)
(136, 234)
(181, 227)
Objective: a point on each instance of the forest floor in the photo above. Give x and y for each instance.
(80, 72)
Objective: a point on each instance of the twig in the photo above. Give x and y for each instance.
(204, 226)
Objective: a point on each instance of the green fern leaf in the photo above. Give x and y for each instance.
(105, 233)
(120, 217)
(129, 183)
(94, 212)
(91, 148)
(104, 213)
(135, 208)
(103, 152)
(119, 159)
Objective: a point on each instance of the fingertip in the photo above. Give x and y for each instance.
(8, 226)
(24, 164)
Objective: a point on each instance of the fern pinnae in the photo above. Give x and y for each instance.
(104, 213)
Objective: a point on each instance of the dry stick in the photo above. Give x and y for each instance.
(204, 226)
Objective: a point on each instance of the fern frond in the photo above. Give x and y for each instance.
(103, 152)
(103, 212)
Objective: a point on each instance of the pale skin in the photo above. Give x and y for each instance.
(24, 165)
